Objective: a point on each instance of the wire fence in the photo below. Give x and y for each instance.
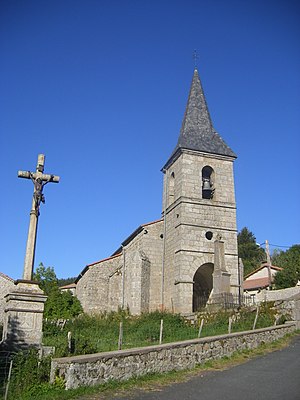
(88, 335)
(117, 331)
(6, 362)
(226, 301)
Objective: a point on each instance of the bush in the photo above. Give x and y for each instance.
(29, 373)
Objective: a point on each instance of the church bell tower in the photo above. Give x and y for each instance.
(200, 250)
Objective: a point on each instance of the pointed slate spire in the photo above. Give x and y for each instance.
(197, 132)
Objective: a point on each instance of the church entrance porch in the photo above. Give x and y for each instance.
(203, 284)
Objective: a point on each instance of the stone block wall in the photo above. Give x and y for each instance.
(100, 285)
(277, 295)
(6, 286)
(99, 368)
(189, 217)
(93, 285)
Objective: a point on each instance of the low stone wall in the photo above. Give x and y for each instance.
(277, 295)
(99, 368)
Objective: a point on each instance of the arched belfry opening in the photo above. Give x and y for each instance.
(207, 182)
(171, 188)
(203, 284)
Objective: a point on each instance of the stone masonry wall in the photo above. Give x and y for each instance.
(99, 368)
(189, 217)
(93, 286)
(277, 295)
(100, 285)
(6, 286)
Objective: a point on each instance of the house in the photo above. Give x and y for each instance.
(259, 279)
(70, 287)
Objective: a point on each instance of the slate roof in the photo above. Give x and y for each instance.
(197, 131)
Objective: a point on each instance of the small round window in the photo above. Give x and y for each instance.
(209, 235)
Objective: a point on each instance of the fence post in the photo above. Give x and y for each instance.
(8, 380)
(120, 341)
(70, 342)
(229, 325)
(256, 316)
(161, 331)
(200, 328)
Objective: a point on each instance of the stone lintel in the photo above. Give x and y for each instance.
(26, 310)
(27, 281)
(201, 252)
(201, 202)
(26, 296)
(27, 286)
(217, 228)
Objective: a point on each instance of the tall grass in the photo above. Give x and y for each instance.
(100, 333)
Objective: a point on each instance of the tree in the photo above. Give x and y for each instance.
(66, 281)
(289, 260)
(46, 277)
(251, 254)
(58, 304)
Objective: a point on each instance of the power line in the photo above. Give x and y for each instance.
(273, 245)
(276, 245)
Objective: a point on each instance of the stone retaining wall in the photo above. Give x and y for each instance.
(277, 295)
(99, 368)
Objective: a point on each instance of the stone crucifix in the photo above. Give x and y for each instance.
(39, 180)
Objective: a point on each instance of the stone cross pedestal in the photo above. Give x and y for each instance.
(23, 317)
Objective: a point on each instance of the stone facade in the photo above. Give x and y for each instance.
(189, 218)
(191, 253)
(129, 279)
(23, 315)
(6, 285)
(94, 369)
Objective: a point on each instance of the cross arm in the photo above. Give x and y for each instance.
(43, 177)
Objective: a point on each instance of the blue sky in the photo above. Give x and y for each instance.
(100, 88)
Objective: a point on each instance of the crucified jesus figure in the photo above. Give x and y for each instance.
(38, 189)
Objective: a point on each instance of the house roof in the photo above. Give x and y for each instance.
(134, 234)
(197, 131)
(258, 283)
(6, 277)
(69, 286)
(264, 265)
(118, 252)
(90, 265)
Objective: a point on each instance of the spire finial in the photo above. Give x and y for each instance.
(195, 57)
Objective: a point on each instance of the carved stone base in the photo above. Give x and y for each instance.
(23, 315)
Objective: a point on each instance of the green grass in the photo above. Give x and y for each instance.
(93, 334)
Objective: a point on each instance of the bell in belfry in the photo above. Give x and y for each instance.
(207, 188)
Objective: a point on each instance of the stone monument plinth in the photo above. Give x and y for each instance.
(221, 295)
(23, 315)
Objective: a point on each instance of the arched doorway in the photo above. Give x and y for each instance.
(203, 284)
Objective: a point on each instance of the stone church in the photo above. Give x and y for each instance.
(189, 256)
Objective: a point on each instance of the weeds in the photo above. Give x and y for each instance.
(100, 333)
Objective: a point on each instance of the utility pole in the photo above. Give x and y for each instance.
(269, 262)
